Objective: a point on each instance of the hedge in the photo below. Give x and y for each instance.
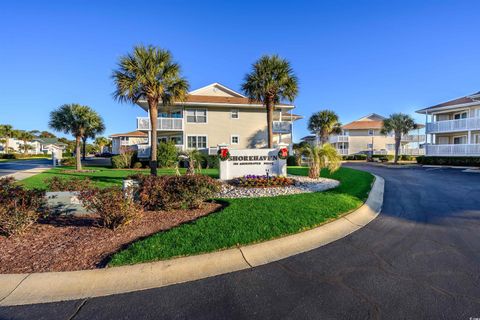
(355, 157)
(449, 161)
(22, 155)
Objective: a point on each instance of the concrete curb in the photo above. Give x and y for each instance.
(21, 289)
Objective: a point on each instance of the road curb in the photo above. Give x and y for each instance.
(22, 289)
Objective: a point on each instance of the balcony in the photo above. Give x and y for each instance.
(413, 138)
(163, 124)
(453, 150)
(282, 127)
(453, 125)
(338, 138)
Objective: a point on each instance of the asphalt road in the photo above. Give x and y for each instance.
(15, 166)
(420, 259)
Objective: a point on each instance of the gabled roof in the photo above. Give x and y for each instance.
(371, 121)
(472, 99)
(49, 141)
(216, 89)
(216, 94)
(137, 134)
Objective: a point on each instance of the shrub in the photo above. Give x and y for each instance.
(382, 157)
(167, 154)
(68, 161)
(405, 157)
(252, 181)
(62, 184)
(449, 161)
(174, 192)
(21, 155)
(209, 161)
(113, 207)
(292, 161)
(19, 208)
(123, 160)
(137, 165)
(355, 157)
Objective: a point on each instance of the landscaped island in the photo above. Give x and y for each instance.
(66, 243)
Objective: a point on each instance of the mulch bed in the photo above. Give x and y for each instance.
(77, 243)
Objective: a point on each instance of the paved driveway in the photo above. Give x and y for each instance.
(16, 166)
(420, 259)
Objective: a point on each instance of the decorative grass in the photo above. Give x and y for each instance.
(246, 221)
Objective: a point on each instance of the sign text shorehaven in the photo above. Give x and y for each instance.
(252, 162)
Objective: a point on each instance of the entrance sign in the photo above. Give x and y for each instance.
(252, 161)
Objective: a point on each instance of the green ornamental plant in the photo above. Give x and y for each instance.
(319, 157)
(400, 124)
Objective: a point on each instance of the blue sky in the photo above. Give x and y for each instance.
(354, 57)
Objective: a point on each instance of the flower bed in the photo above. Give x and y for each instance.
(253, 181)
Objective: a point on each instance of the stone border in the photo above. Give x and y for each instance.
(21, 289)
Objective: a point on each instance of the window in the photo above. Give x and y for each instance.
(390, 146)
(234, 114)
(461, 115)
(197, 142)
(369, 146)
(460, 140)
(345, 132)
(234, 139)
(197, 116)
(370, 132)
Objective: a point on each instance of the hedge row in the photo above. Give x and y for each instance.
(21, 155)
(449, 161)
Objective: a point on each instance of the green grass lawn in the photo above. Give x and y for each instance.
(22, 159)
(246, 221)
(101, 177)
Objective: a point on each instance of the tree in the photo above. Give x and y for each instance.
(271, 81)
(95, 127)
(323, 124)
(399, 124)
(26, 137)
(7, 132)
(149, 73)
(74, 119)
(321, 156)
(100, 143)
(46, 134)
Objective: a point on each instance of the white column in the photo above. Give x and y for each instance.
(469, 137)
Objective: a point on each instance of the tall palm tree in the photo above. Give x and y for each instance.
(101, 142)
(95, 128)
(7, 132)
(26, 137)
(149, 73)
(323, 124)
(74, 119)
(399, 124)
(319, 157)
(271, 81)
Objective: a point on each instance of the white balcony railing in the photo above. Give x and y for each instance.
(453, 150)
(453, 125)
(413, 138)
(338, 138)
(143, 123)
(282, 127)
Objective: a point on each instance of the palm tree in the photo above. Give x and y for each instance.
(74, 119)
(271, 81)
(323, 124)
(25, 136)
(101, 142)
(319, 157)
(149, 73)
(7, 132)
(96, 127)
(399, 124)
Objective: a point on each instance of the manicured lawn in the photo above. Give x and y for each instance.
(102, 176)
(246, 221)
(22, 159)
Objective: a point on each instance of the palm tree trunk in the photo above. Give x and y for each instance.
(269, 105)
(24, 146)
(6, 145)
(153, 105)
(77, 152)
(84, 148)
(397, 147)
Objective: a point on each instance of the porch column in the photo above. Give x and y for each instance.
(469, 137)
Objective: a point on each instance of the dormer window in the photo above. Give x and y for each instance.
(234, 114)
